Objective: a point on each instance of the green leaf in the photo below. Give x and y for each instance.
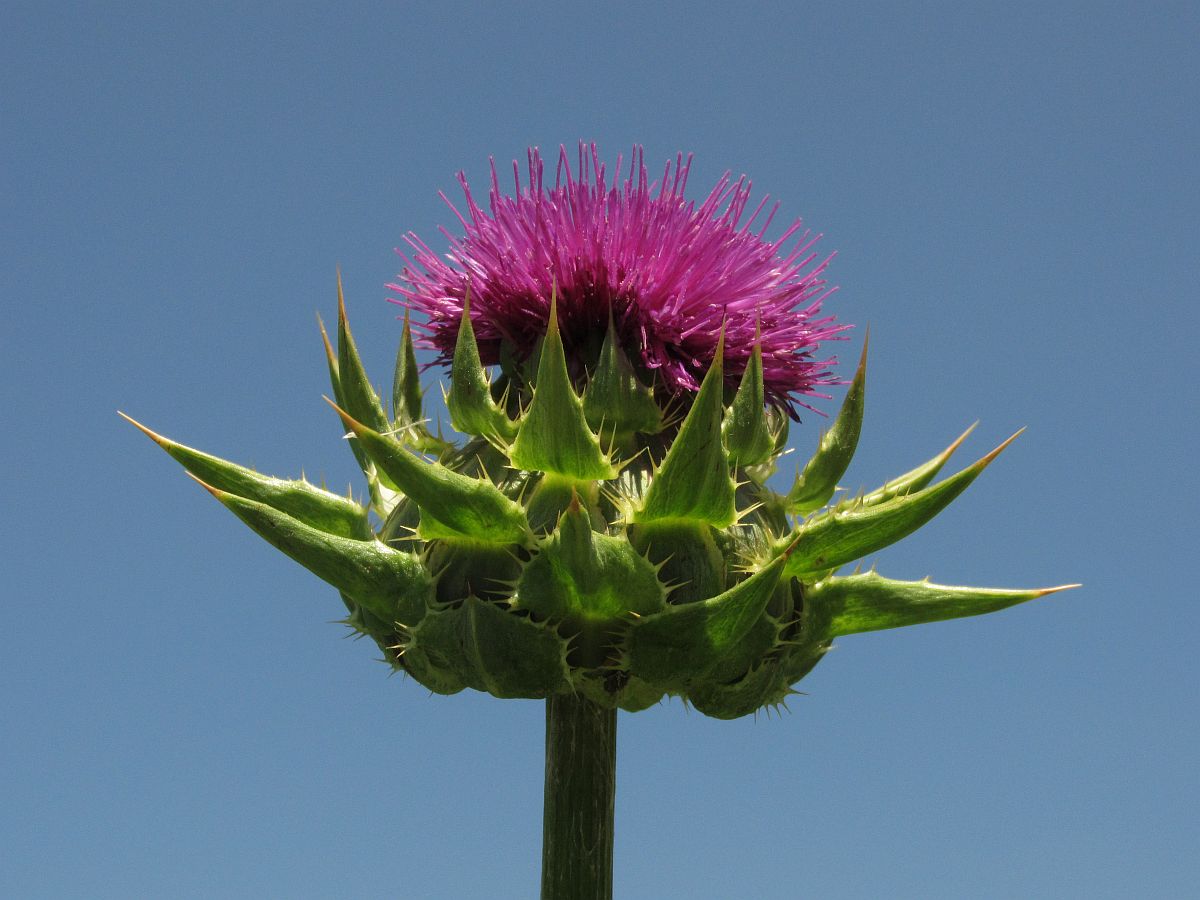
(363, 621)
(406, 382)
(382, 490)
(472, 409)
(335, 380)
(360, 399)
(816, 484)
(464, 569)
(761, 686)
(452, 505)
(850, 530)
(590, 583)
(870, 602)
(748, 437)
(554, 434)
(680, 644)
(616, 404)
(407, 414)
(694, 480)
(686, 554)
(915, 479)
(801, 658)
(486, 648)
(390, 584)
(550, 498)
(309, 504)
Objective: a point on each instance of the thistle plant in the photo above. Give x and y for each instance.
(624, 366)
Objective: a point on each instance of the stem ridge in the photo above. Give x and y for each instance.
(581, 786)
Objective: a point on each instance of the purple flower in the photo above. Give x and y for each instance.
(669, 271)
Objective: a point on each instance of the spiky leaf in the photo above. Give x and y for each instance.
(681, 643)
(689, 559)
(748, 437)
(470, 568)
(472, 409)
(452, 505)
(406, 381)
(815, 485)
(381, 497)
(870, 602)
(694, 481)
(312, 505)
(390, 584)
(554, 435)
(616, 403)
(589, 582)
(917, 478)
(358, 396)
(846, 533)
(762, 686)
(407, 414)
(491, 650)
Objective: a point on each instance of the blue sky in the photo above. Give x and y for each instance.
(1012, 190)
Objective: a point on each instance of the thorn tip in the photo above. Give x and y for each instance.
(216, 492)
(987, 459)
(1054, 590)
(154, 436)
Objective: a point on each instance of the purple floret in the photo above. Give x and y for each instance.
(669, 271)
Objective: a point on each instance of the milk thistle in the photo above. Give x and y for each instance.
(624, 365)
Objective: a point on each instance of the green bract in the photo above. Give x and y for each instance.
(584, 540)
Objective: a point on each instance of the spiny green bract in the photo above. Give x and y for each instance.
(585, 540)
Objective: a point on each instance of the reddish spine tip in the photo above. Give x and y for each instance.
(1054, 590)
(987, 459)
(216, 492)
(349, 421)
(154, 436)
(325, 339)
(552, 316)
(341, 299)
(718, 361)
(787, 551)
(957, 442)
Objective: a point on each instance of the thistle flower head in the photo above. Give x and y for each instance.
(581, 539)
(668, 271)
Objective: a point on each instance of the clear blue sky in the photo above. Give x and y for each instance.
(1012, 189)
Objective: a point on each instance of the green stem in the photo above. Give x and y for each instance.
(581, 786)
